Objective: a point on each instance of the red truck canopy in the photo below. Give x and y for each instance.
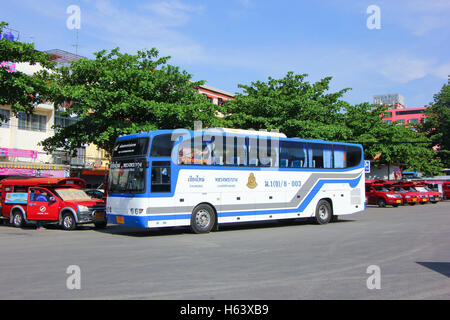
(56, 182)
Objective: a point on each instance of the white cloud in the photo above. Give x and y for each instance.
(419, 16)
(442, 71)
(404, 69)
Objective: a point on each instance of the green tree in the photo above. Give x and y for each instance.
(18, 89)
(117, 93)
(300, 109)
(291, 105)
(437, 125)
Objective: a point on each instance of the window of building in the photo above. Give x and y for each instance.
(62, 121)
(32, 122)
(4, 118)
(404, 112)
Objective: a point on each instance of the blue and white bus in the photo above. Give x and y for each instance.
(205, 178)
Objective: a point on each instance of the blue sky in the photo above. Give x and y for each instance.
(233, 42)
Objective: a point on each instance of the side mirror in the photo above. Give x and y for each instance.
(52, 199)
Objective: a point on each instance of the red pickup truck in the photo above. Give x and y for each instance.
(49, 200)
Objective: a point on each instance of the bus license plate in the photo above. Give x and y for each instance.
(120, 220)
(399, 201)
(99, 216)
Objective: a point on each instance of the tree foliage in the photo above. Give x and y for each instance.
(117, 93)
(390, 143)
(18, 89)
(298, 108)
(437, 125)
(291, 105)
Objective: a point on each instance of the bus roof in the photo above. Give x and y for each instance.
(77, 182)
(237, 132)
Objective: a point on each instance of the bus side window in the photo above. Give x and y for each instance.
(353, 156)
(339, 155)
(241, 151)
(217, 150)
(252, 148)
(231, 151)
(185, 152)
(319, 155)
(292, 154)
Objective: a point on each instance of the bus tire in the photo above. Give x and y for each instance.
(203, 219)
(17, 219)
(323, 212)
(68, 221)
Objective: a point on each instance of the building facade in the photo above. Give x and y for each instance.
(405, 116)
(215, 96)
(21, 134)
(398, 111)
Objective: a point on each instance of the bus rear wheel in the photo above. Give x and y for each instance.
(203, 219)
(323, 212)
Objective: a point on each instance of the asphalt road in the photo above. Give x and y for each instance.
(410, 246)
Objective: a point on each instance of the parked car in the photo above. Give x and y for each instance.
(422, 196)
(378, 194)
(409, 196)
(433, 196)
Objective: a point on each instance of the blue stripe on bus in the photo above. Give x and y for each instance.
(353, 183)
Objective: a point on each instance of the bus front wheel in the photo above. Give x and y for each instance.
(203, 219)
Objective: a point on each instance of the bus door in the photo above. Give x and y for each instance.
(42, 205)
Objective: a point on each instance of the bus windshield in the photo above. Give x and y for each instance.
(127, 176)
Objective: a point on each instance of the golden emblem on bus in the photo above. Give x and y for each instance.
(251, 181)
